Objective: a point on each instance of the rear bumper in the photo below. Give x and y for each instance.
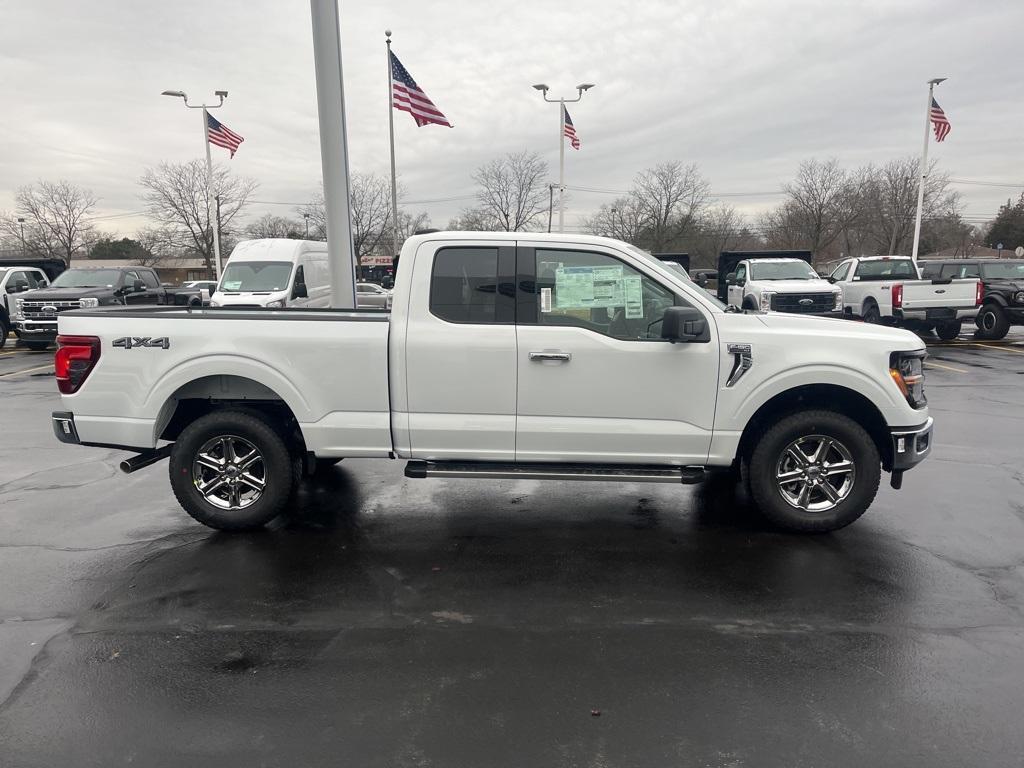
(911, 446)
(103, 431)
(64, 427)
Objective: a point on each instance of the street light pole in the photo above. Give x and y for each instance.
(923, 170)
(215, 226)
(580, 89)
(24, 250)
(305, 216)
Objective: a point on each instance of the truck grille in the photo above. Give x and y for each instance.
(46, 310)
(804, 303)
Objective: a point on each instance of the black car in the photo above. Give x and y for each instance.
(35, 316)
(1003, 302)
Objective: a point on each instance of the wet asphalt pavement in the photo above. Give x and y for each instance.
(394, 622)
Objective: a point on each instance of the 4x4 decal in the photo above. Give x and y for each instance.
(130, 342)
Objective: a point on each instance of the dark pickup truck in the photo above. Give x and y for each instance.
(1002, 304)
(35, 315)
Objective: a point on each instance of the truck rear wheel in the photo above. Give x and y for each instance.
(814, 471)
(992, 322)
(230, 470)
(4, 330)
(948, 331)
(871, 313)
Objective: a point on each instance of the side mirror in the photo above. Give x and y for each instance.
(702, 280)
(299, 291)
(138, 286)
(685, 324)
(730, 279)
(831, 279)
(19, 287)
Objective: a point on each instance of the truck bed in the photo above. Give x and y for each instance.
(330, 367)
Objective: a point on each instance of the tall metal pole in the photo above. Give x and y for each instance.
(330, 97)
(24, 250)
(391, 132)
(923, 170)
(209, 193)
(561, 165)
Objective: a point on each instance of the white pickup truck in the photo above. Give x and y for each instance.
(783, 285)
(888, 289)
(505, 355)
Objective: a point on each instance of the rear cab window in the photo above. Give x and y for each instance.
(465, 286)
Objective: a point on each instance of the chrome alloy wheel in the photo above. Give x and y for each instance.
(229, 472)
(815, 473)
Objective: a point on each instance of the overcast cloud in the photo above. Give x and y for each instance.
(744, 88)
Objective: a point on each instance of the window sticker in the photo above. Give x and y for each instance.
(589, 287)
(634, 297)
(545, 300)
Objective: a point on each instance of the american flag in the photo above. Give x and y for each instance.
(408, 97)
(221, 135)
(939, 121)
(570, 129)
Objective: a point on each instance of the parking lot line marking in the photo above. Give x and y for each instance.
(998, 346)
(27, 370)
(933, 364)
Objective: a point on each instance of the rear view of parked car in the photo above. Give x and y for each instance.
(1002, 302)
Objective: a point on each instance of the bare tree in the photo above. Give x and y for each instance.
(175, 197)
(371, 214)
(720, 228)
(891, 202)
(474, 220)
(270, 225)
(622, 220)
(824, 200)
(513, 190)
(57, 213)
(670, 198)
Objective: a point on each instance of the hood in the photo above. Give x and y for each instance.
(796, 286)
(66, 294)
(809, 325)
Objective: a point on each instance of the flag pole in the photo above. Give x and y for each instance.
(391, 130)
(923, 170)
(209, 193)
(561, 165)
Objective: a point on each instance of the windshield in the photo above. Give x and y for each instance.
(3, 273)
(884, 269)
(256, 276)
(87, 278)
(782, 270)
(1010, 270)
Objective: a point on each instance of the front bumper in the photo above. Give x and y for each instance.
(911, 446)
(36, 330)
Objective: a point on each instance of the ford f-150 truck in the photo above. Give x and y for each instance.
(784, 285)
(35, 319)
(887, 289)
(505, 355)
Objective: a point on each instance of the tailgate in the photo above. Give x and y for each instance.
(925, 295)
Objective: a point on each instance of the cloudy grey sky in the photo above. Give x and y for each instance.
(744, 88)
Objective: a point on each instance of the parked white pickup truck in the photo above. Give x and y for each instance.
(888, 289)
(783, 285)
(508, 355)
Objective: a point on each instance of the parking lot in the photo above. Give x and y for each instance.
(393, 622)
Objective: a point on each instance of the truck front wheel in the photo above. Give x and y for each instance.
(232, 471)
(814, 471)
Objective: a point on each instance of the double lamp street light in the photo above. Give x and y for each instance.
(209, 165)
(580, 90)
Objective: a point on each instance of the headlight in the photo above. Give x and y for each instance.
(19, 309)
(1018, 297)
(88, 303)
(275, 304)
(766, 300)
(839, 302)
(907, 371)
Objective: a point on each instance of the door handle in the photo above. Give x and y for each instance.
(558, 357)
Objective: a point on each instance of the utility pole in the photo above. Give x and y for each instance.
(580, 90)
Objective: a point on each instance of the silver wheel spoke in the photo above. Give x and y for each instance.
(228, 447)
(828, 490)
(805, 495)
(822, 450)
(209, 462)
(789, 477)
(213, 485)
(798, 456)
(253, 482)
(249, 459)
(838, 468)
(233, 496)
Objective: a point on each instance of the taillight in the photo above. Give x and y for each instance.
(76, 357)
(979, 293)
(897, 296)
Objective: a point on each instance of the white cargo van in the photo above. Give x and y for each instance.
(275, 272)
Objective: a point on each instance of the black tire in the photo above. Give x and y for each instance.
(37, 346)
(992, 322)
(871, 314)
(948, 331)
(279, 471)
(770, 455)
(4, 330)
(749, 305)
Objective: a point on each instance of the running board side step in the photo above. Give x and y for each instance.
(494, 470)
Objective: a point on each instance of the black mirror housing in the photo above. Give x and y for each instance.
(685, 324)
(299, 291)
(138, 286)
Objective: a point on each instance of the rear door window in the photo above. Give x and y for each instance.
(464, 285)
(150, 279)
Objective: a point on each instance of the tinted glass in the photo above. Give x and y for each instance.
(1010, 270)
(463, 285)
(256, 276)
(741, 272)
(149, 278)
(930, 270)
(886, 269)
(785, 270)
(600, 293)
